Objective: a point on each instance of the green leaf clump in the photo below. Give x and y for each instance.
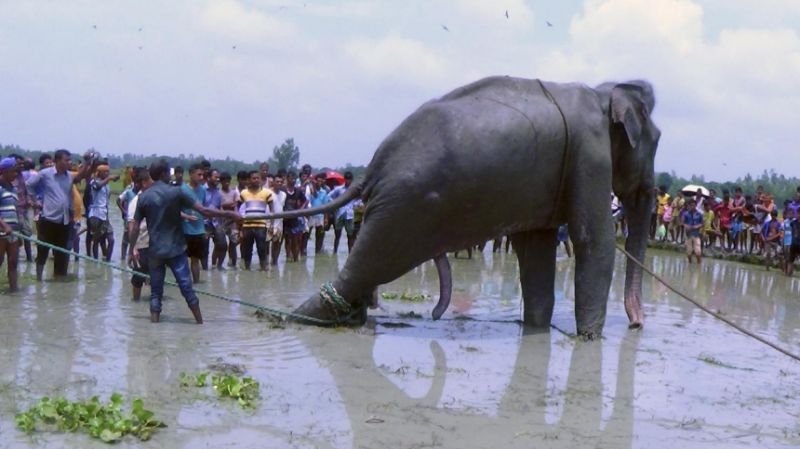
(245, 390)
(104, 421)
(196, 380)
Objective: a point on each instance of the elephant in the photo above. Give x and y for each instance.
(513, 156)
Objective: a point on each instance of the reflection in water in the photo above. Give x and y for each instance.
(521, 388)
(476, 382)
(758, 300)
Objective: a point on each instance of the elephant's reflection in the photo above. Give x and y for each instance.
(470, 384)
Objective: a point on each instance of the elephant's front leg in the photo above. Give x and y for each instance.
(594, 266)
(536, 251)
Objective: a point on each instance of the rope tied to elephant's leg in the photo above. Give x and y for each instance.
(706, 309)
(331, 297)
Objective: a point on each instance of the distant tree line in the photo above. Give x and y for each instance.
(285, 155)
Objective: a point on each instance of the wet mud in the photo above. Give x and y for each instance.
(474, 379)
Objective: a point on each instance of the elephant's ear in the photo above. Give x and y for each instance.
(629, 109)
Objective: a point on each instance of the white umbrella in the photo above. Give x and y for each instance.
(691, 190)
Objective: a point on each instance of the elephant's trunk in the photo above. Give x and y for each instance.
(637, 212)
(445, 285)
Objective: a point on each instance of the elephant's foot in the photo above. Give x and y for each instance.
(589, 336)
(319, 311)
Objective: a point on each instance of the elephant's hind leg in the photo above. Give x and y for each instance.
(536, 251)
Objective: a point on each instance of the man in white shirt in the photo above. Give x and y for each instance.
(142, 181)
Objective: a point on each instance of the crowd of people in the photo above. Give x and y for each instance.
(741, 223)
(188, 225)
(199, 219)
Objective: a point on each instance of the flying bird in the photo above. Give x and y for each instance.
(234, 47)
(140, 29)
(548, 23)
(94, 26)
(445, 28)
(140, 47)
(506, 14)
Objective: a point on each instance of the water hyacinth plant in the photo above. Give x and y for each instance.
(245, 390)
(105, 421)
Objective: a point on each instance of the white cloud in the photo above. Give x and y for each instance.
(726, 72)
(720, 98)
(398, 59)
(233, 20)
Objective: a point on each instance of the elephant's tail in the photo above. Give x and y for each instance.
(353, 192)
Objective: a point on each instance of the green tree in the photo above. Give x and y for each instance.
(285, 156)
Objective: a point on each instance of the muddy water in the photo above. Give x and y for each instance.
(471, 380)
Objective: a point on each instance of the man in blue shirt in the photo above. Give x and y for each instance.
(194, 228)
(319, 197)
(344, 215)
(160, 206)
(214, 227)
(693, 224)
(56, 217)
(99, 223)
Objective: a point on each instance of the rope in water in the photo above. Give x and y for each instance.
(268, 310)
(707, 310)
(284, 314)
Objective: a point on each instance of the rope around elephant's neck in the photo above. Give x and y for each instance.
(706, 309)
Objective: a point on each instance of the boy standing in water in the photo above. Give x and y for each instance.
(693, 224)
(789, 215)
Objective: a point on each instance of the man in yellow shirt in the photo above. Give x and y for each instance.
(256, 202)
(662, 199)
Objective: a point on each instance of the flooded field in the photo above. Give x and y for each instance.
(471, 380)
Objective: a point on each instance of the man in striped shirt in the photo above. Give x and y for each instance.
(9, 219)
(256, 202)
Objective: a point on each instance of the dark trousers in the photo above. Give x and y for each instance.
(55, 234)
(179, 265)
(257, 236)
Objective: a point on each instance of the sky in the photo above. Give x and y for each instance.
(236, 78)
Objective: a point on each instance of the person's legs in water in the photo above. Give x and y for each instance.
(9, 248)
(248, 239)
(337, 232)
(157, 274)
(179, 265)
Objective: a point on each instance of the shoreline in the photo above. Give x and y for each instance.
(716, 253)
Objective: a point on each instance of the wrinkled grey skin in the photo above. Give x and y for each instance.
(489, 159)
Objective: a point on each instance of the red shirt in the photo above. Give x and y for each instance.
(723, 211)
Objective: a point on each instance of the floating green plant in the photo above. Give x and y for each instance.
(196, 380)
(245, 390)
(104, 421)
